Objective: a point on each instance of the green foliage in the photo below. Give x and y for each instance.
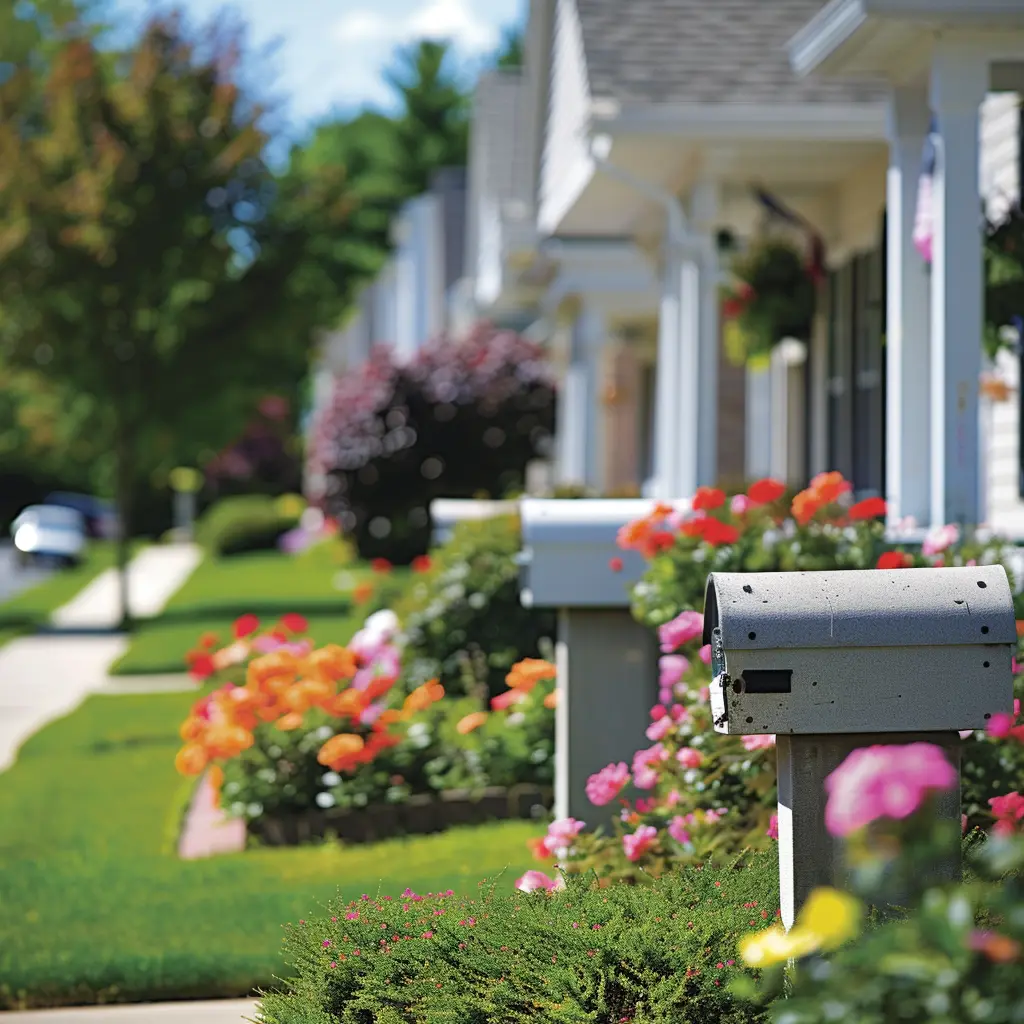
(94, 906)
(662, 952)
(463, 621)
(246, 523)
(1004, 277)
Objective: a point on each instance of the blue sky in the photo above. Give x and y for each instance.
(332, 52)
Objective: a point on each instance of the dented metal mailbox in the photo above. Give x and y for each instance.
(859, 651)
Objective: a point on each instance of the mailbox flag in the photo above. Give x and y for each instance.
(924, 220)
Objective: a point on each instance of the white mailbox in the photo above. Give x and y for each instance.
(859, 651)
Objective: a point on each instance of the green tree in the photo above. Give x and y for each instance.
(149, 260)
(432, 129)
(510, 52)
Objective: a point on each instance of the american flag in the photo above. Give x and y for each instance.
(924, 220)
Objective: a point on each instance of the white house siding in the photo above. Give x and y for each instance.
(566, 164)
(1000, 182)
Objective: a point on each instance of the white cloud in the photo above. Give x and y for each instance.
(453, 20)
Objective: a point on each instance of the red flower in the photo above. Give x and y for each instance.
(764, 492)
(421, 563)
(246, 625)
(716, 532)
(381, 565)
(869, 508)
(208, 640)
(895, 560)
(201, 667)
(615, 564)
(708, 498)
(295, 623)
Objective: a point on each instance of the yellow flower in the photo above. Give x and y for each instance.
(831, 916)
(775, 946)
(827, 920)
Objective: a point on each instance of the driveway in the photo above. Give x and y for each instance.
(13, 579)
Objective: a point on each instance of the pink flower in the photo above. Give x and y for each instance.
(713, 817)
(705, 654)
(677, 830)
(681, 630)
(704, 694)
(637, 844)
(679, 713)
(690, 758)
(940, 538)
(1007, 810)
(604, 786)
(659, 730)
(752, 743)
(534, 881)
(773, 827)
(666, 695)
(999, 725)
(561, 834)
(671, 669)
(740, 504)
(884, 782)
(645, 775)
(658, 712)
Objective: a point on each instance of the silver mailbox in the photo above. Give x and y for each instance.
(906, 650)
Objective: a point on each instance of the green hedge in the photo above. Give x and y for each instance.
(250, 522)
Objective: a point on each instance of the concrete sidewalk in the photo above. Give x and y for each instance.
(154, 575)
(228, 1011)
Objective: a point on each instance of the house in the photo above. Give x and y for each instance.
(654, 140)
(409, 301)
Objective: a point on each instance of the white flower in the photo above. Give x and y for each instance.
(266, 775)
(697, 555)
(254, 810)
(516, 718)
(769, 538)
(325, 732)
(330, 779)
(477, 600)
(325, 800)
(382, 625)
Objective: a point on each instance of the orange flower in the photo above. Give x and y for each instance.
(362, 592)
(708, 498)
(332, 663)
(340, 749)
(869, 508)
(208, 640)
(551, 700)
(539, 849)
(805, 506)
(764, 492)
(378, 686)
(347, 704)
(423, 696)
(191, 759)
(829, 486)
(192, 728)
(290, 722)
(471, 721)
(526, 674)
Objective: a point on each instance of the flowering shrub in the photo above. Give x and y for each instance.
(701, 792)
(463, 622)
(664, 953)
(461, 419)
(286, 727)
(956, 956)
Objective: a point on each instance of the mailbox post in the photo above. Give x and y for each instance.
(607, 662)
(833, 661)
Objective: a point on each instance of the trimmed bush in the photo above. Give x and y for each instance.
(664, 952)
(459, 421)
(249, 522)
(462, 620)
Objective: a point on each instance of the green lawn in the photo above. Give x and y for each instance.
(94, 905)
(32, 607)
(316, 584)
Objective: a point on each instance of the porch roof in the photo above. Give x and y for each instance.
(894, 37)
(692, 52)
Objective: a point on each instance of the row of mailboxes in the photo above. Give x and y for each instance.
(872, 651)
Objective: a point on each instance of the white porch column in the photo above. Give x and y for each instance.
(908, 340)
(958, 85)
(578, 445)
(690, 402)
(666, 415)
(703, 219)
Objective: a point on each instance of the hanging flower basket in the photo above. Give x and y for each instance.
(773, 297)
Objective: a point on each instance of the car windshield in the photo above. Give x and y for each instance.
(52, 517)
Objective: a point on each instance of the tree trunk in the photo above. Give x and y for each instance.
(125, 480)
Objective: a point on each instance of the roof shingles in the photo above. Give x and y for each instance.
(704, 51)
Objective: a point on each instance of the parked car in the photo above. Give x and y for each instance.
(100, 516)
(49, 533)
